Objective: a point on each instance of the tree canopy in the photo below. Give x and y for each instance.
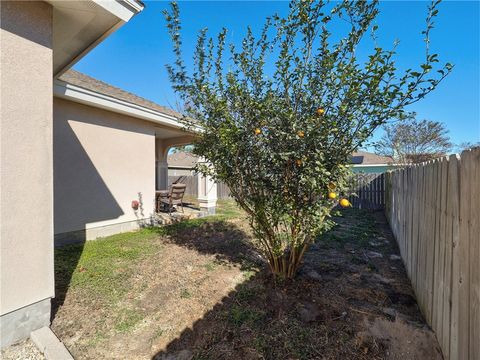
(281, 139)
(414, 141)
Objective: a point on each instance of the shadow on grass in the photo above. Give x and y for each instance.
(214, 236)
(66, 262)
(264, 320)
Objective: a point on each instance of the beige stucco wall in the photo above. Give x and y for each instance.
(102, 161)
(26, 216)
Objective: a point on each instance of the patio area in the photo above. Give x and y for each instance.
(190, 210)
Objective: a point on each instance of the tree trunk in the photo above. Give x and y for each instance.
(287, 264)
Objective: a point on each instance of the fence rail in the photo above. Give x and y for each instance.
(433, 210)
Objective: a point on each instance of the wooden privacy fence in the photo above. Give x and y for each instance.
(369, 191)
(223, 192)
(433, 210)
(190, 181)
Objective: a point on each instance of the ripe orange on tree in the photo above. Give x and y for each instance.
(332, 195)
(345, 203)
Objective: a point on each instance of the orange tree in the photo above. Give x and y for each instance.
(281, 139)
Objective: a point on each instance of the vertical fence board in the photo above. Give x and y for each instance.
(416, 193)
(408, 213)
(421, 260)
(430, 242)
(474, 238)
(442, 241)
(411, 209)
(452, 185)
(437, 264)
(426, 243)
(458, 271)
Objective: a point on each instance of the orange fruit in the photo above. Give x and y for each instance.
(344, 203)
(320, 111)
(300, 133)
(258, 131)
(299, 162)
(332, 186)
(332, 195)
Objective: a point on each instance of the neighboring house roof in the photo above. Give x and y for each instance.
(182, 159)
(77, 78)
(366, 158)
(188, 160)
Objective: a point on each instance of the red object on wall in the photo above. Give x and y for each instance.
(135, 204)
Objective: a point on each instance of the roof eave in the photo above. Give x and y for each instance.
(65, 67)
(100, 17)
(84, 96)
(123, 9)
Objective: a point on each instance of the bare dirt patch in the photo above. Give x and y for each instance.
(196, 290)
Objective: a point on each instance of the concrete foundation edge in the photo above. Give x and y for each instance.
(80, 236)
(18, 324)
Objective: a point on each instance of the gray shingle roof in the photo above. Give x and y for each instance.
(77, 78)
(182, 159)
(366, 158)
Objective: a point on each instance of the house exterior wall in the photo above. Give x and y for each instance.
(102, 162)
(374, 169)
(26, 216)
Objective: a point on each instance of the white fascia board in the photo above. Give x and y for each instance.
(122, 9)
(80, 95)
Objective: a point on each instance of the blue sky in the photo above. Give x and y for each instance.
(134, 57)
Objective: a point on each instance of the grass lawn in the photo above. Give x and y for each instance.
(196, 289)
